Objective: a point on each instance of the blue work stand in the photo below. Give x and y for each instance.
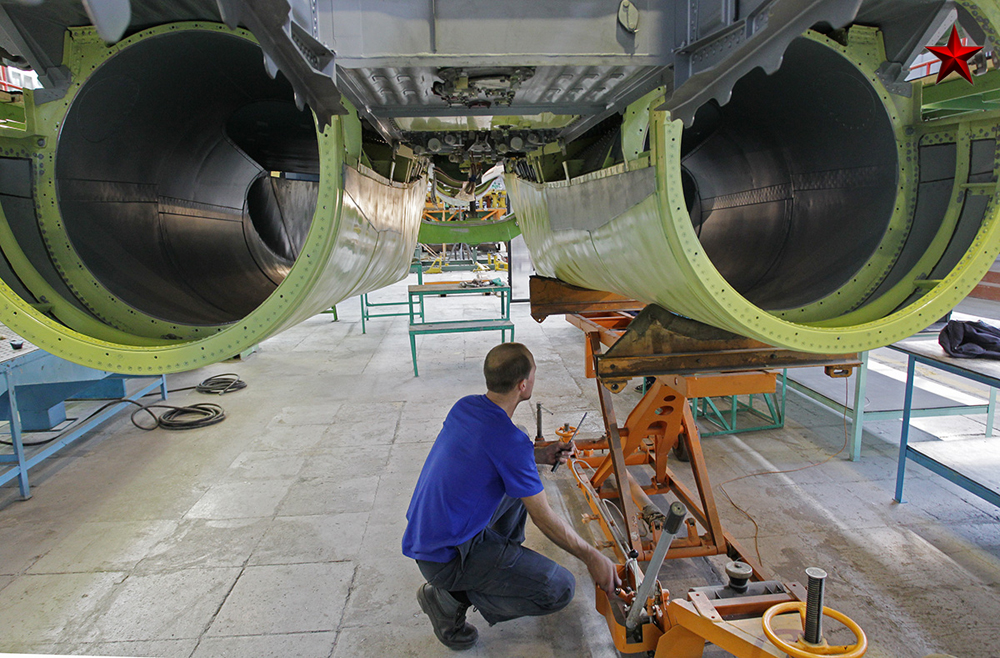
(972, 464)
(34, 386)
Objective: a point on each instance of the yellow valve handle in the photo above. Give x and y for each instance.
(802, 650)
(566, 433)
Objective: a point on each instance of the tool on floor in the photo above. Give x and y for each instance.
(562, 440)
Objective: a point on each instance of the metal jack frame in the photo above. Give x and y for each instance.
(689, 360)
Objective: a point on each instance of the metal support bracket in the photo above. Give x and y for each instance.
(922, 29)
(555, 297)
(709, 67)
(292, 49)
(55, 78)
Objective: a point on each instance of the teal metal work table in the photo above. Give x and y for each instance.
(416, 265)
(873, 396)
(973, 464)
(416, 296)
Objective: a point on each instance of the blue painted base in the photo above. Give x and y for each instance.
(40, 420)
(106, 389)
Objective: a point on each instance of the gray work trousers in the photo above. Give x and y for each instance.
(503, 579)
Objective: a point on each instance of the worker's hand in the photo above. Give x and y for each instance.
(604, 572)
(554, 453)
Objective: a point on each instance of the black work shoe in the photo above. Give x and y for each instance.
(447, 617)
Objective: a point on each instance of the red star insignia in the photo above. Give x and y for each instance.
(954, 56)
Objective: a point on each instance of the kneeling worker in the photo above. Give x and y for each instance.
(466, 519)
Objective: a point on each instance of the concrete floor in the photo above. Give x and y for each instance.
(277, 532)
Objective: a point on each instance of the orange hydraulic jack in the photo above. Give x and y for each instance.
(660, 425)
(754, 615)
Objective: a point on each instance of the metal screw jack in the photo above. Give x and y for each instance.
(814, 606)
(739, 574)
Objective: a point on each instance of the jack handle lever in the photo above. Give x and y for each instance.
(675, 517)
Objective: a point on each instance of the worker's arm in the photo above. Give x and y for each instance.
(602, 570)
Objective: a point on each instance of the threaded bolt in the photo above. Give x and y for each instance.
(814, 606)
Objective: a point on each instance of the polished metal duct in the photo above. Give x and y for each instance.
(163, 176)
(175, 207)
(794, 180)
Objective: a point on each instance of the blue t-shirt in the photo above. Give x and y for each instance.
(478, 456)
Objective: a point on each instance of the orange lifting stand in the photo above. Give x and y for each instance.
(688, 360)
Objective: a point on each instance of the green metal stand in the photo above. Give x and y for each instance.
(728, 419)
(366, 313)
(415, 266)
(502, 324)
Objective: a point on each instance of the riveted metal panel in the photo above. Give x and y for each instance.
(937, 162)
(15, 177)
(592, 204)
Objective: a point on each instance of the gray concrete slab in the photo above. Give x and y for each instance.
(336, 460)
(409, 640)
(264, 465)
(308, 414)
(293, 598)
(283, 645)
(323, 495)
(205, 543)
(282, 436)
(43, 609)
(417, 430)
(311, 539)
(103, 546)
(375, 430)
(22, 544)
(169, 605)
(159, 648)
(387, 585)
(237, 500)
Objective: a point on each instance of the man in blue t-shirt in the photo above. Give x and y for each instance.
(466, 518)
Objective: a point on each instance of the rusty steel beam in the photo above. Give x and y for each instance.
(555, 297)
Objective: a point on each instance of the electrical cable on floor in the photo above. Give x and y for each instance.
(216, 384)
(221, 384)
(756, 528)
(201, 414)
(190, 417)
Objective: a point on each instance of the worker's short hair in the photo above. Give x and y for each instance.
(506, 366)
